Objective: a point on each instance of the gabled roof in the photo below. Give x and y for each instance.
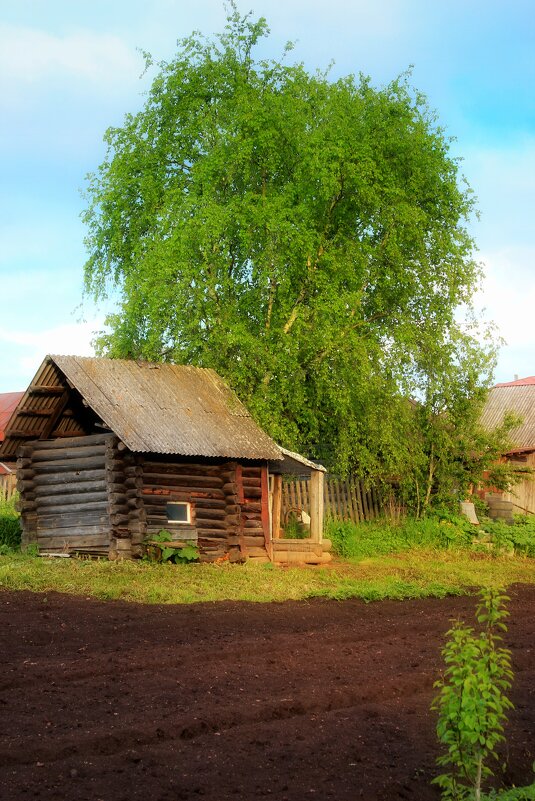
(8, 403)
(152, 408)
(519, 382)
(518, 397)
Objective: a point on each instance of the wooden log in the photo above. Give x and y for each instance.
(181, 480)
(69, 477)
(72, 531)
(251, 482)
(45, 389)
(77, 488)
(49, 455)
(254, 541)
(251, 471)
(66, 465)
(255, 551)
(212, 532)
(251, 507)
(76, 441)
(210, 514)
(215, 503)
(80, 540)
(76, 519)
(252, 492)
(119, 519)
(73, 499)
(212, 556)
(247, 524)
(215, 524)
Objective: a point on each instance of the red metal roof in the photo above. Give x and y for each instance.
(8, 404)
(520, 382)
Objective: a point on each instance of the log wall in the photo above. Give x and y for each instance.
(64, 494)
(212, 491)
(253, 502)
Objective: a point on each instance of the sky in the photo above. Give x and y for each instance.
(70, 70)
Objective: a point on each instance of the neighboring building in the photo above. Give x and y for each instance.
(8, 404)
(112, 451)
(519, 397)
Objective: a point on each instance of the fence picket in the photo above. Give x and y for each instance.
(343, 499)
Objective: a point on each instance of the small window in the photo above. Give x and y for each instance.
(178, 512)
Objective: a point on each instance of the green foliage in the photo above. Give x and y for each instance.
(294, 529)
(472, 701)
(9, 525)
(519, 537)
(514, 794)
(305, 237)
(374, 538)
(183, 554)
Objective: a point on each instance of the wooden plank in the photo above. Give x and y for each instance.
(316, 505)
(43, 389)
(276, 507)
(340, 499)
(364, 492)
(358, 491)
(265, 509)
(355, 517)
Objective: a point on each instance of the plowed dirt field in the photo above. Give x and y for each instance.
(297, 700)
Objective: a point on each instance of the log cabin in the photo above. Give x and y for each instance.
(110, 452)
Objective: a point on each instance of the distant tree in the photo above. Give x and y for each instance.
(305, 237)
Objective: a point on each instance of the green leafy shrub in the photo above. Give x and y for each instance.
(519, 537)
(514, 794)
(9, 525)
(472, 702)
(159, 551)
(377, 538)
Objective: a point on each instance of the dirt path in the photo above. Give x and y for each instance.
(121, 702)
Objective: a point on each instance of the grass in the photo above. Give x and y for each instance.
(412, 573)
(9, 524)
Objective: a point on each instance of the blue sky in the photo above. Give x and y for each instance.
(69, 70)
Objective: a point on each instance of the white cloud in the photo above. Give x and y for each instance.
(30, 56)
(502, 178)
(508, 297)
(22, 351)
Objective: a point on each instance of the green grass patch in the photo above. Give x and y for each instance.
(9, 525)
(438, 531)
(413, 573)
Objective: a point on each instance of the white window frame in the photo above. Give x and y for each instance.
(186, 522)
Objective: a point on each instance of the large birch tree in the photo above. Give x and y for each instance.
(304, 236)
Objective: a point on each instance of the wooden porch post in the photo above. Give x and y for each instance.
(316, 505)
(277, 506)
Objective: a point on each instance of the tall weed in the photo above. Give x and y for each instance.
(382, 537)
(9, 525)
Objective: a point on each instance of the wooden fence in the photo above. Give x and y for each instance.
(343, 500)
(8, 486)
